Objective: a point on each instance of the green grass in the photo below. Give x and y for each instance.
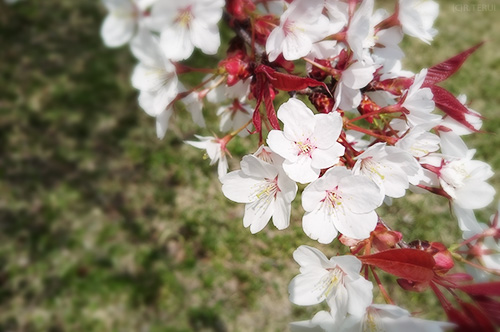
(105, 228)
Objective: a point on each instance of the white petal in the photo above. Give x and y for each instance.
(296, 45)
(239, 187)
(323, 158)
(176, 43)
(310, 256)
(360, 296)
(318, 226)
(301, 171)
(304, 288)
(357, 226)
(327, 129)
(281, 145)
(281, 216)
(253, 166)
(205, 37)
(475, 195)
(117, 31)
(257, 215)
(299, 121)
(162, 122)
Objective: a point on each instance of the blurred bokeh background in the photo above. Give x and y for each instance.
(105, 228)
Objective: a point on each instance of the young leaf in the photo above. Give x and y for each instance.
(449, 104)
(445, 69)
(485, 288)
(287, 82)
(411, 264)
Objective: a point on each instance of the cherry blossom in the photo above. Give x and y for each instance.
(336, 281)
(308, 142)
(156, 79)
(391, 318)
(417, 17)
(120, 25)
(340, 201)
(463, 178)
(391, 168)
(300, 25)
(184, 25)
(216, 151)
(419, 104)
(264, 188)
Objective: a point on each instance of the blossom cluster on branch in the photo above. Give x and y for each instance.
(356, 128)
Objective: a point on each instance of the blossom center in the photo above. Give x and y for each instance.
(372, 167)
(305, 147)
(331, 281)
(371, 321)
(184, 16)
(333, 197)
(288, 27)
(454, 174)
(266, 192)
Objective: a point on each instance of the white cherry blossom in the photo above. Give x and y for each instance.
(419, 141)
(216, 151)
(356, 76)
(463, 178)
(156, 79)
(390, 318)
(301, 25)
(120, 25)
(264, 188)
(391, 168)
(234, 116)
(184, 25)
(308, 141)
(340, 202)
(419, 104)
(336, 280)
(417, 18)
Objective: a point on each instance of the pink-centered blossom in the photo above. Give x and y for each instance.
(301, 25)
(184, 25)
(265, 190)
(340, 202)
(336, 280)
(216, 151)
(308, 141)
(391, 168)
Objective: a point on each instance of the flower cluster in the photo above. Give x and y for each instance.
(355, 128)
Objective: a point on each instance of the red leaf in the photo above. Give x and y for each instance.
(271, 113)
(455, 316)
(445, 69)
(449, 104)
(481, 322)
(411, 264)
(490, 307)
(486, 288)
(287, 82)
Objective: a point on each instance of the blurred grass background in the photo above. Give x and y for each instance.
(105, 228)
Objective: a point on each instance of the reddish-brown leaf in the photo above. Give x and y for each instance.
(490, 307)
(480, 320)
(287, 82)
(449, 104)
(485, 288)
(411, 264)
(445, 69)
